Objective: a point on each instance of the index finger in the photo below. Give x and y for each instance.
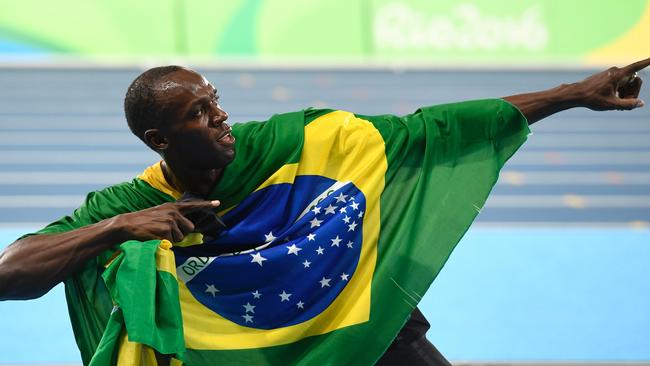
(190, 206)
(637, 66)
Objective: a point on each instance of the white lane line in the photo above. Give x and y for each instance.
(145, 156)
(523, 225)
(98, 138)
(495, 201)
(579, 158)
(80, 123)
(489, 225)
(20, 123)
(569, 201)
(95, 157)
(584, 140)
(564, 124)
(32, 178)
(519, 178)
(508, 178)
(34, 201)
(108, 138)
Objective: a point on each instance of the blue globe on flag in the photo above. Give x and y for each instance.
(307, 239)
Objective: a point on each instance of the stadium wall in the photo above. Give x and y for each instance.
(470, 33)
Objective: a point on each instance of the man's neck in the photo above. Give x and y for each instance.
(184, 180)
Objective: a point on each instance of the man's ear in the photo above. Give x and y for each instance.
(155, 140)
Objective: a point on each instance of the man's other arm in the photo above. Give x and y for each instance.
(31, 266)
(614, 88)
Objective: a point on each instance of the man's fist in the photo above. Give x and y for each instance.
(171, 221)
(614, 88)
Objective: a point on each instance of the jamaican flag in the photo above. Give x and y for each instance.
(351, 218)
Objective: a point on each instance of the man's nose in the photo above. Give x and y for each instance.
(218, 116)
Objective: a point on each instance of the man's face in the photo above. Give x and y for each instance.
(194, 124)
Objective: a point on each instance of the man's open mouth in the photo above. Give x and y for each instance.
(227, 138)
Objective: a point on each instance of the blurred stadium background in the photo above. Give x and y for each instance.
(555, 269)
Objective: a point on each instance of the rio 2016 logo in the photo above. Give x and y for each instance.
(399, 27)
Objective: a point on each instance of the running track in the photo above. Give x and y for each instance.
(555, 267)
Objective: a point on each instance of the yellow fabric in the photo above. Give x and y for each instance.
(628, 47)
(341, 147)
(165, 260)
(135, 354)
(190, 239)
(338, 146)
(155, 177)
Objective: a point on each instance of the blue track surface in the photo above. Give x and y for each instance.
(519, 294)
(69, 121)
(555, 267)
(531, 294)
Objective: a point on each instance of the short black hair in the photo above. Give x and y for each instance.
(140, 103)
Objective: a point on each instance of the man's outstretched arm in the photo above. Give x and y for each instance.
(31, 266)
(614, 88)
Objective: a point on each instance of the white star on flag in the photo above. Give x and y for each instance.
(211, 290)
(336, 241)
(315, 210)
(330, 209)
(352, 226)
(325, 282)
(306, 263)
(300, 304)
(342, 210)
(269, 237)
(344, 276)
(346, 219)
(257, 258)
(247, 318)
(284, 296)
(256, 294)
(315, 222)
(311, 237)
(249, 308)
(319, 250)
(341, 197)
(293, 249)
(360, 215)
(354, 205)
(350, 244)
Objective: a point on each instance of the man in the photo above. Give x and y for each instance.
(175, 111)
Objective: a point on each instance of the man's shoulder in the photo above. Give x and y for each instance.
(300, 117)
(127, 196)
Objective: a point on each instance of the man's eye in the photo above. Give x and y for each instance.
(197, 113)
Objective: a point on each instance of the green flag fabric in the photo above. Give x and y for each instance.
(349, 219)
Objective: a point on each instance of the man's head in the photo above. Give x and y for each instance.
(176, 112)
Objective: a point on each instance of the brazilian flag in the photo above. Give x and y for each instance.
(351, 218)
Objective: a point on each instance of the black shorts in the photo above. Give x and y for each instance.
(411, 346)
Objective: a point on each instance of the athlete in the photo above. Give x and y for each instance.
(176, 112)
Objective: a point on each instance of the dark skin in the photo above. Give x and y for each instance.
(195, 144)
(612, 89)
